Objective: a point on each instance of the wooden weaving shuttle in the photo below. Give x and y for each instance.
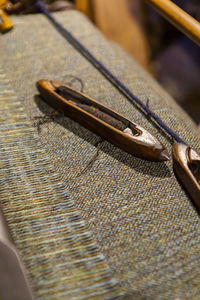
(103, 121)
(187, 168)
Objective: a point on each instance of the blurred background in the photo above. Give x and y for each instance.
(166, 53)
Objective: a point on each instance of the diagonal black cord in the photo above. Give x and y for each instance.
(113, 79)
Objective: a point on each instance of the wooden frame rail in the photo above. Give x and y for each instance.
(178, 17)
(174, 14)
(85, 6)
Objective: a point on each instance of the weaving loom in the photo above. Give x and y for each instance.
(89, 220)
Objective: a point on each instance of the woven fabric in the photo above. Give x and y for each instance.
(60, 255)
(141, 219)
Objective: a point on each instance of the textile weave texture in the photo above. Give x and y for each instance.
(55, 244)
(141, 219)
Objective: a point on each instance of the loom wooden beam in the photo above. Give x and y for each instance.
(178, 17)
(5, 21)
(85, 6)
(174, 14)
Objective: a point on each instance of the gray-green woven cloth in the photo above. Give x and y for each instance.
(91, 221)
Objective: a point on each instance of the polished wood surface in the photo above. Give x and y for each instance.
(179, 18)
(5, 21)
(85, 6)
(133, 139)
(119, 20)
(174, 14)
(118, 23)
(187, 168)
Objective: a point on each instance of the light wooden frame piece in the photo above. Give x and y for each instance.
(174, 14)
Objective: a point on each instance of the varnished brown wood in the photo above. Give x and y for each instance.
(187, 167)
(85, 6)
(119, 23)
(141, 143)
(174, 14)
(5, 21)
(178, 17)
(124, 30)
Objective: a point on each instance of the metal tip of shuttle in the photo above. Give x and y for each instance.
(164, 155)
